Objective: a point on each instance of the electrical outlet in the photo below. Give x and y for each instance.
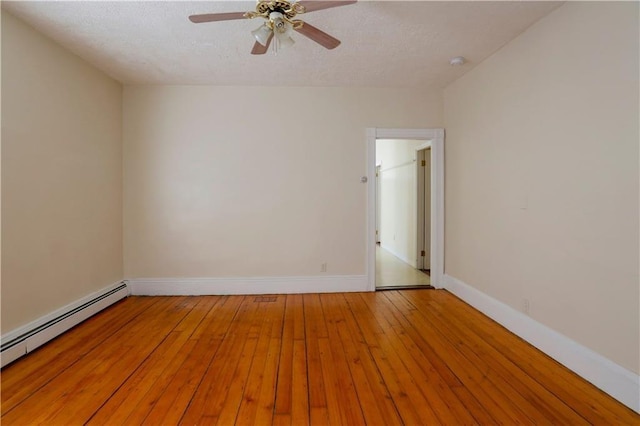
(323, 267)
(526, 306)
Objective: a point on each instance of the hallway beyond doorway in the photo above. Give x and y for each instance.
(393, 272)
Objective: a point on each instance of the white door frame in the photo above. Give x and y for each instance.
(436, 136)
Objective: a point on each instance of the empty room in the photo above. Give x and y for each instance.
(204, 205)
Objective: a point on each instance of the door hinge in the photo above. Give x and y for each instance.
(424, 163)
(422, 253)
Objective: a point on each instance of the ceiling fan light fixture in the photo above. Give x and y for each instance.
(282, 29)
(278, 22)
(283, 40)
(262, 34)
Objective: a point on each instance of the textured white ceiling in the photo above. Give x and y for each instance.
(384, 43)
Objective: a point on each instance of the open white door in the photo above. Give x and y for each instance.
(423, 172)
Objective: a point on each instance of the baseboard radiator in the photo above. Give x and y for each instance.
(25, 339)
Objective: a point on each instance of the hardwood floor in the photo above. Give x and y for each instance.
(410, 357)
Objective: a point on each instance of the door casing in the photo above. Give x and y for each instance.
(436, 137)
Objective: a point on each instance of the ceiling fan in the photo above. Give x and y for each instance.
(279, 22)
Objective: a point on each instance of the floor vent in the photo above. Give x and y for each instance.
(265, 299)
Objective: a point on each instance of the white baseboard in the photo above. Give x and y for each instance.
(613, 379)
(251, 285)
(25, 339)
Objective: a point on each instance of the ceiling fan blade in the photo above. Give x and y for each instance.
(259, 49)
(213, 17)
(318, 36)
(313, 5)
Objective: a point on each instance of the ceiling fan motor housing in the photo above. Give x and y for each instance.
(289, 10)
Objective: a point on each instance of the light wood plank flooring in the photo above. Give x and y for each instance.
(392, 271)
(398, 357)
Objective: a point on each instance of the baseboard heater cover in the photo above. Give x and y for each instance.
(24, 340)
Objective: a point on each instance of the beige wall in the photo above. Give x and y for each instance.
(61, 176)
(253, 182)
(542, 176)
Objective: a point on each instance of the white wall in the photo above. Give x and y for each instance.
(253, 182)
(61, 176)
(542, 176)
(399, 188)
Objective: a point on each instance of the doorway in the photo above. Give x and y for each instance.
(406, 234)
(401, 213)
